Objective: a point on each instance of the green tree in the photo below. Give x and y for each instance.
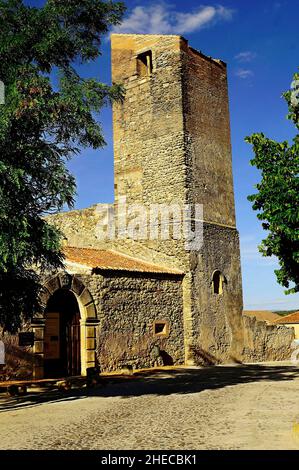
(277, 199)
(41, 127)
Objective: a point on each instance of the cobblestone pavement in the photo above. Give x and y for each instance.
(224, 407)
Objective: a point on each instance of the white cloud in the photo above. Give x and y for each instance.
(246, 56)
(251, 254)
(161, 18)
(244, 73)
(254, 257)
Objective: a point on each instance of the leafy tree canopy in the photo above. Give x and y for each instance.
(277, 199)
(41, 127)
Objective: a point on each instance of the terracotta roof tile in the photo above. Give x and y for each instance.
(292, 318)
(113, 260)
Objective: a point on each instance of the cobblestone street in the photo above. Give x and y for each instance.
(228, 407)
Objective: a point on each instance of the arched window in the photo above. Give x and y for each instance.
(218, 281)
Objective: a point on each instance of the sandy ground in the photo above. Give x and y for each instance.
(228, 407)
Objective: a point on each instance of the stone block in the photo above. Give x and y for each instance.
(38, 347)
(90, 332)
(53, 284)
(65, 280)
(85, 297)
(90, 356)
(44, 296)
(77, 286)
(38, 334)
(90, 343)
(91, 311)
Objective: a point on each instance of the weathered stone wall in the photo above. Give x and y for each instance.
(216, 318)
(127, 307)
(130, 306)
(217, 326)
(148, 125)
(263, 342)
(149, 140)
(207, 136)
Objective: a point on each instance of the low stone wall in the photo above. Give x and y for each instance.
(264, 342)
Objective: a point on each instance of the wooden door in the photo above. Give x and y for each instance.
(73, 345)
(51, 337)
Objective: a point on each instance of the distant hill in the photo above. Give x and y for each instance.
(282, 313)
(264, 315)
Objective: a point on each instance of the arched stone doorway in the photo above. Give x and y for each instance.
(62, 354)
(65, 333)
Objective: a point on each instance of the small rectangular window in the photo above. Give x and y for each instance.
(161, 328)
(145, 64)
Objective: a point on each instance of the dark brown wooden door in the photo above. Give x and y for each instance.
(73, 345)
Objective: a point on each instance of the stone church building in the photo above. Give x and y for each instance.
(151, 301)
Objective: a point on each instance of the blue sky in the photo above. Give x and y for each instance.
(259, 42)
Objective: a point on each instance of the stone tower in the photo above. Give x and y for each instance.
(172, 145)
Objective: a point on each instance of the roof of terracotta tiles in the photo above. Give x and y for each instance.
(292, 318)
(113, 260)
(265, 315)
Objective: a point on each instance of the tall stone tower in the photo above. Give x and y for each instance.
(172, 145)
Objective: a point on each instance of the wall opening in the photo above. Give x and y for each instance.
(218, 281)
(66, 331)
(62, 335)
(161, 328)
(145, 64)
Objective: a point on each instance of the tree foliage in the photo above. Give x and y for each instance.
(277, 199)
(41, 127)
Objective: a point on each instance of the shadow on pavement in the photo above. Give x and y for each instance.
(160, 382)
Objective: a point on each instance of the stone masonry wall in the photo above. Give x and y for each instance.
(80, 226)
(127, 307)
(149, 141)
(207, 136)
(264, 342)
(148, 126)
(217, 326)
(187, 92)
(216, 318)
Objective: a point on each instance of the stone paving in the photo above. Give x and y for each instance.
(224, 407)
